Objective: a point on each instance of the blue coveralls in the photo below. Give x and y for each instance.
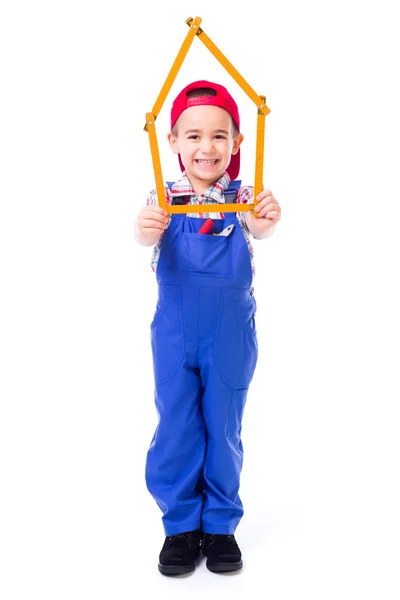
(204, 354)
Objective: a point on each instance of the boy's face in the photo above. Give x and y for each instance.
(204, 139)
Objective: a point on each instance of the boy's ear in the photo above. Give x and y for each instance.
(236, 143)
(173, 142)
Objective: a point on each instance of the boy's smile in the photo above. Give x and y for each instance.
(206, 162)
(206, 165)
(203, 136)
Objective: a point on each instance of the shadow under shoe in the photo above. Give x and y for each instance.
(222, 552)
(179, 553)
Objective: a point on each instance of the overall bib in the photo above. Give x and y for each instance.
(204, 354)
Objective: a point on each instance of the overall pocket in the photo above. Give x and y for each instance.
(205, 254)
(167, 339)
(236, 410)
(235, 344)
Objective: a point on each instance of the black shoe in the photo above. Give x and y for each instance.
(222, 552)
(179, 552)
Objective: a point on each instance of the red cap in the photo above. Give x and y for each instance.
(222, 99)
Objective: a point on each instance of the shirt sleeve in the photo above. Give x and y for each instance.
(246, 196)
(152, 198)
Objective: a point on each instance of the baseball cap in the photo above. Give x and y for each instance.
(223, 99)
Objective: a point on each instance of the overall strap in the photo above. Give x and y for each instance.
(231, 193)
(231, 196)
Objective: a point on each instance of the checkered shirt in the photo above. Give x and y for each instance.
(214, 195)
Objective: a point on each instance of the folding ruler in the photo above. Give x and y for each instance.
(262, 111)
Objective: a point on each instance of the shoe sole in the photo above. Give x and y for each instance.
(224, 567)
(176, 569)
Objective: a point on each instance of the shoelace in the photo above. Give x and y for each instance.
(213, 537)
(187, 536)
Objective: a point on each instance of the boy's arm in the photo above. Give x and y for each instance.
(151, 221)
(258, 234)
(245, 196)
(144, 239)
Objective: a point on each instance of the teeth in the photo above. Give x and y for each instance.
(206, 162)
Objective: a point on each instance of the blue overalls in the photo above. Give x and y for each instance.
(204, 354)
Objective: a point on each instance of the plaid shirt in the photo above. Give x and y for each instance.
(214, 195)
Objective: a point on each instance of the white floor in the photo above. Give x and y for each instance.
(321, 512)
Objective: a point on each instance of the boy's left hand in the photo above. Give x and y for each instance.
(268, 210)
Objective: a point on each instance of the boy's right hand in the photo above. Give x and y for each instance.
(152, 221)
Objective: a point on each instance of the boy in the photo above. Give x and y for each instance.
(203, 334)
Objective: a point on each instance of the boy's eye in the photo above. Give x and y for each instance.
(220, 137)
(193, 137)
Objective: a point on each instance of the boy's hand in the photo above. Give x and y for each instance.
(269, 213)
(151, 222)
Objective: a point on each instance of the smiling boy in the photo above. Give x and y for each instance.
(203, 334)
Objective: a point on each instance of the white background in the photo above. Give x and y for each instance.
(321, 428)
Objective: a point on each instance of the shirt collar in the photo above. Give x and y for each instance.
(215, 192)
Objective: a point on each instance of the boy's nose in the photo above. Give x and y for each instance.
(207, 146)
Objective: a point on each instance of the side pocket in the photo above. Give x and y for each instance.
(234, 428)
(167, 340)
(160, 308)
(235, 344)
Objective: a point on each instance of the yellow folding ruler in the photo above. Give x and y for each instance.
(262, 111)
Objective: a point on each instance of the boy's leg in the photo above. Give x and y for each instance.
(176, 454)
(222, 509)
(227, 368)
(222, 411)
